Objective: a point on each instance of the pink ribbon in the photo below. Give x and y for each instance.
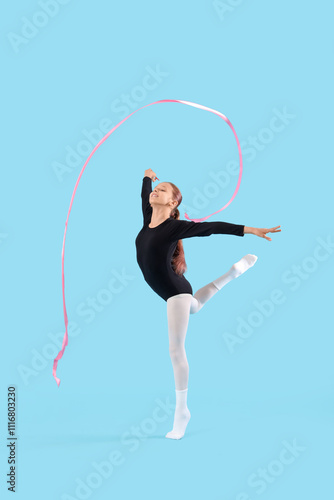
(65, 339)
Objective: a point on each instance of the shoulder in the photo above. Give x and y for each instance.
(178, 225)
(181, 222)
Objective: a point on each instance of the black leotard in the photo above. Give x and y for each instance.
(155, 246)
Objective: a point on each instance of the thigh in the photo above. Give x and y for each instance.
(178, 310)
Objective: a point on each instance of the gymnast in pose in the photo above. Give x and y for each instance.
(160, 257)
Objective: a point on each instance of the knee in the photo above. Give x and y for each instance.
(177, 353)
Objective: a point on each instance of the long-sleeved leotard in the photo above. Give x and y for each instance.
(155, 246)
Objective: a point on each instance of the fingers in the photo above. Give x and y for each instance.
(153, 176)
(264, 231)
(273, 230)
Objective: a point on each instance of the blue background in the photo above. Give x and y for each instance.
(88, 65)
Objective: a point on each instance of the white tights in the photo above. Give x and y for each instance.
(179, 307)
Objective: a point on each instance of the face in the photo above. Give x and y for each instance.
(162, 194)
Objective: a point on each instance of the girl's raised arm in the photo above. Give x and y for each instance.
(145, 196)
(146, 190)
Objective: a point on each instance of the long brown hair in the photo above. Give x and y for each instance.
(178, 260)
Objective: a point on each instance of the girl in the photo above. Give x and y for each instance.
(160, 257)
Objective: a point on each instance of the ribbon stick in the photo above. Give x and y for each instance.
(65, 339)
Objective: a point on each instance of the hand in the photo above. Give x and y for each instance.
(149, 173)
(262, 232)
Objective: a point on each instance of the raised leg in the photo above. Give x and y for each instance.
(208, 291)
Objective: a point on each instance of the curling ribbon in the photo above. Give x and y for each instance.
(65, 339)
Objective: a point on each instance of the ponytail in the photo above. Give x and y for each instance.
(178, 260)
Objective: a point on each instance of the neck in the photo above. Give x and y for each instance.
(159, 214)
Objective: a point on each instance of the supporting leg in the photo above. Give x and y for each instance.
(178, 310)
